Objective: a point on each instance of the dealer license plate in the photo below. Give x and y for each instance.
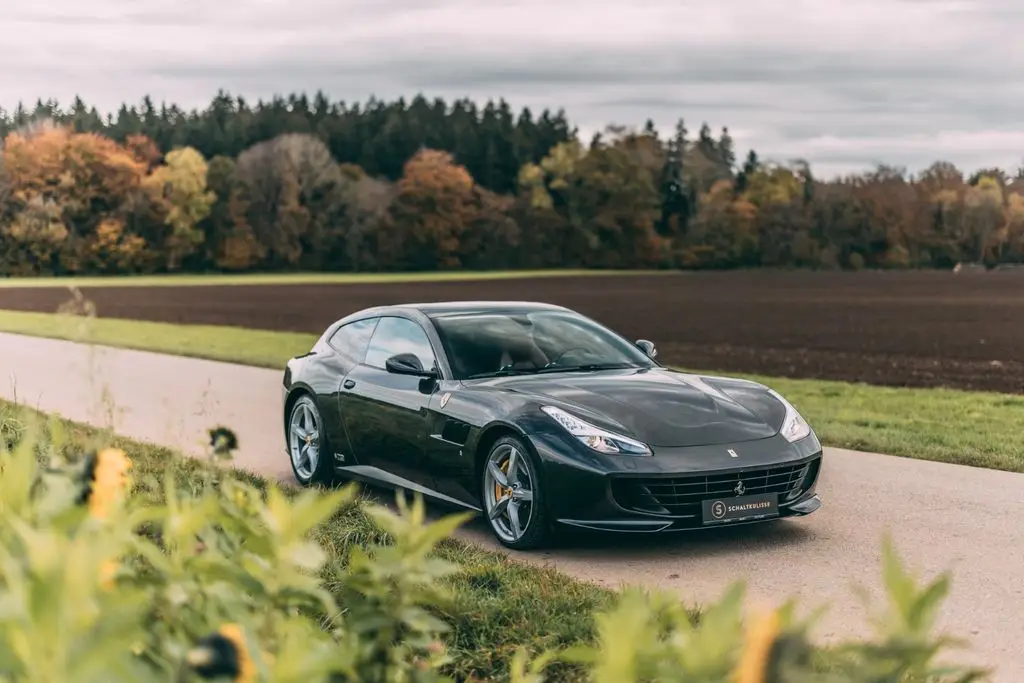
(741, 509)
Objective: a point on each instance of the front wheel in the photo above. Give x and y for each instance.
(513, 496)
(307, 445)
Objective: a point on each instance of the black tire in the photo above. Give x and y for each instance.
(322, 474)
(537, 532)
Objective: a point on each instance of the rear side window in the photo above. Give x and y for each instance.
(352, 339)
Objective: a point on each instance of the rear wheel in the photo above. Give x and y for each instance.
(513, 496)
(307, 446)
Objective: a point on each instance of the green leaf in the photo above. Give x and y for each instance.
(314, 507)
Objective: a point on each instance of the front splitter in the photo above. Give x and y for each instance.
(652, 526)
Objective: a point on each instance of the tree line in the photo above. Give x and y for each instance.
(300, 184)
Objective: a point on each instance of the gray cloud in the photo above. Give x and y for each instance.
(841, 83)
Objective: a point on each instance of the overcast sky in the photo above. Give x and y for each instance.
(842, 83)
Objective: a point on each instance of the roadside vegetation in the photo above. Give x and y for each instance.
(962, 427)
(162, 568)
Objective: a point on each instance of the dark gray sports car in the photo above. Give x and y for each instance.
(538, 416)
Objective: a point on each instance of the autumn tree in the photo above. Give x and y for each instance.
(434, 206)
(493, 235)
(229, 242)
(1013, 243)
(616, 206)
(84, 179)
(837, 223)
(367, 214)
(289, 188)
(723, 234)
(938, 217)
(89, 171)
(606, 197)
(180, 186)
(887, 199)
(783, 229)
(145, 150)
(31, 238)
(984, 218)
(112, 250)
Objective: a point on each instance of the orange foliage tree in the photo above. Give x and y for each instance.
(434, 206)
(145, 150)
(84, 181)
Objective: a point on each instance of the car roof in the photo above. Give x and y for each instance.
(443, 308)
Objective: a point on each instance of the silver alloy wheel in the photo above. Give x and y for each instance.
(304, 438)
(508, 493)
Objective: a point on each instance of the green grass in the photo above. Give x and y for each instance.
(190, 280)
(971, 428)
(498, 604)
(261, 348)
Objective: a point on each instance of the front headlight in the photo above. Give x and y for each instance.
(794, 426)
(596, 438)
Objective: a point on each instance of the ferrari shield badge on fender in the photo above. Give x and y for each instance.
(444, 398)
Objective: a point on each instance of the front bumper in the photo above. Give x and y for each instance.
(670, 490)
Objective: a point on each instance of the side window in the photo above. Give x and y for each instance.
(353, 338)
(398, 335)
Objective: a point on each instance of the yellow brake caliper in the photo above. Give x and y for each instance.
(497, 487)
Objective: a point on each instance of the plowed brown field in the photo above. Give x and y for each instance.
(890, 328)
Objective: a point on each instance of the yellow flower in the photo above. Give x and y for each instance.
(246, 668)
(108, 572)
(223, 653)
(761, 635)
(108, 479)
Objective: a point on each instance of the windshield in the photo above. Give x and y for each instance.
(495, 344)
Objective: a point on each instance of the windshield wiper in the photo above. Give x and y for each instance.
(590, 367)
(505, 372)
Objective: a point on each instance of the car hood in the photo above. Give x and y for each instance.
(661, 407)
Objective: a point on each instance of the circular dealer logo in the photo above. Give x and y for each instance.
(718, 509)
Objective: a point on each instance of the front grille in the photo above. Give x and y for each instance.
(682, 496)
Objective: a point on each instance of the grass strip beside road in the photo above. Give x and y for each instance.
(969, 428)
(194, 280)
(262, 348)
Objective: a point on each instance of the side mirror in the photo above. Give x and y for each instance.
(407, 364)
(647, 347)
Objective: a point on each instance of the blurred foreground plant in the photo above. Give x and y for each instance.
(219, 578)
(648, 637)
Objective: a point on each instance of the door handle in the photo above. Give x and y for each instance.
(349, 383)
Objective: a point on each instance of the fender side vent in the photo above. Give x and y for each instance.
(455, 431)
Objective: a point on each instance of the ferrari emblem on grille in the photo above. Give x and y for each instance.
(444, 399)
(740, 488)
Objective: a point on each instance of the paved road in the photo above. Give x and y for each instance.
(967, 520)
